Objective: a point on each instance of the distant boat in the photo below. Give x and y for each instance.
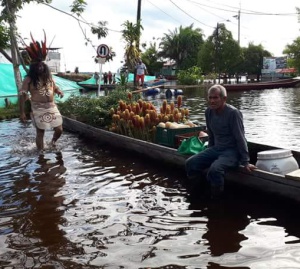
(155, 82)
(150, 81)
(281, 83)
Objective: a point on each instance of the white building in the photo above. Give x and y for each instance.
(52, 60)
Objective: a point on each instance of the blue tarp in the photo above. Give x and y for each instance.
(8, 88)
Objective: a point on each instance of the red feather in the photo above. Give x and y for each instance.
(44, 48)
(35, 50)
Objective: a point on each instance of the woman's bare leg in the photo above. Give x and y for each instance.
(57, 133)
(39, 140)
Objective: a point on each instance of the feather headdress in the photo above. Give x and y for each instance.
(36, 51)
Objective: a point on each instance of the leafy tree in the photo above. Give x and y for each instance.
(8, 15)
(78, 7)
(253, 59)
(220, 54)
(206, 57)
(4, 36)
(4, 40)
(151, 58)
(182, 46)
(293, 53)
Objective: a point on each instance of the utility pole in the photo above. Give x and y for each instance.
(217, 52)
(238, 17)
(239, 26)
(138, 21)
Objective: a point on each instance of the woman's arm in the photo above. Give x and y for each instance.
(57, 90)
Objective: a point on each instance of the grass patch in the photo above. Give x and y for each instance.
(10, 112)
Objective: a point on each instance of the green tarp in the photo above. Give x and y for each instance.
(8, 88)
(130, 79)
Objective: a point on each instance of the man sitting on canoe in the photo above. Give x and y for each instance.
(227, 145)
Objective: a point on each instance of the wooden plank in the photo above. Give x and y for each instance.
(295, 175)
(139, 89)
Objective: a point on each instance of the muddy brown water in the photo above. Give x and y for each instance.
(88, 206)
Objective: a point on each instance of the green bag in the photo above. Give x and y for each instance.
(191, 145)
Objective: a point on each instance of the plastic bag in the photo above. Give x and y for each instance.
(192, 145)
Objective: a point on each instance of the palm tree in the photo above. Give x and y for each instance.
(131, 34)
(182, 45)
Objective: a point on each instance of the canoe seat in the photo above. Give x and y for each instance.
(293, 175)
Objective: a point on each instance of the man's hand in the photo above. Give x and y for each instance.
(250, 167)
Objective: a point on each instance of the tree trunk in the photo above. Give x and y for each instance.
(14, 56)
(7, 56)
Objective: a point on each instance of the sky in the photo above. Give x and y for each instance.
(273, 24)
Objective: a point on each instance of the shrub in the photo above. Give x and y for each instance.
(93, 110)
(191, 76)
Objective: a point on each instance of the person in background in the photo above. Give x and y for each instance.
(105, 78)
(227, 145)
(141, 70)
(109, 77)
(40, 88)
(96, 77)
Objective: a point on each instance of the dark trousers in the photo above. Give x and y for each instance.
(216, 161)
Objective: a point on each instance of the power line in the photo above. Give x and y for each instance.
(163, 11)
(77, 19)
(243, 11)
(189, 15)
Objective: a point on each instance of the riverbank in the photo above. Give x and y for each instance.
(74, 77)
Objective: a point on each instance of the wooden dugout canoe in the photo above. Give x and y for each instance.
(287, 186)
(281, 83)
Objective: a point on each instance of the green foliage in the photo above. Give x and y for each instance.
(182, 45)
(293, 52)
(151, 58)
(220, 53)
(78, 7)
(122, 81)
(101, 30)
(10, 8)
(206, 57)
(131, 34)
(93, 110)
(4, 36)
(191, 76)
(9, 112)
(253, 58)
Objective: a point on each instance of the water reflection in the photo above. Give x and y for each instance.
(271, 116)
(90, 206)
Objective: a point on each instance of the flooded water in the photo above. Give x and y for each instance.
(87, 206)
(271, 116)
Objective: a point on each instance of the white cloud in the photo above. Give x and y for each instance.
(158, 17)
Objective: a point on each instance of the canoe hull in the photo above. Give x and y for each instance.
(282, 83)
(257, 180)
